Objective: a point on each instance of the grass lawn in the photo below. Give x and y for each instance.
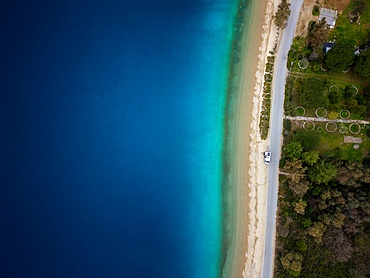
(332, 145)
(352, 33)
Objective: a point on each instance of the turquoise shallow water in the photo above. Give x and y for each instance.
(112, 133)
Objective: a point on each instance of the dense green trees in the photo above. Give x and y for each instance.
(309, 140)
(310, 157)
(293, 263)
(327, 222)
(317, 231)
(282, 14)
(362, 66)
(296, 177)
(334, 97)
(340, 57)
(312, 93)
(317, 35)
(300, 206)
(322, 172)
(293, 150)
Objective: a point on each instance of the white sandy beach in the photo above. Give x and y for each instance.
(257, 172)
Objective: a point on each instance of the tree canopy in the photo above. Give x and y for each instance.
(282, 14)
(362, 66)
(309, 139)
(322, 172)
(340, 57)
(293, 150)
(293, 263)
(311, 93)
(317, 35)
(311, 157)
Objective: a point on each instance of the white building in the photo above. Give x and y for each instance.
(329, 15)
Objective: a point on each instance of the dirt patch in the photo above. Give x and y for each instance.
(339, 5)
(305, 16)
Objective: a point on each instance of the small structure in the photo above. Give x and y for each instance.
(352, 139)
(329, 15)
(327, 46)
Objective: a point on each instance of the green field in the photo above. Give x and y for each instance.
(352, 33)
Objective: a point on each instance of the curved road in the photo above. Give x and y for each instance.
(276, 124)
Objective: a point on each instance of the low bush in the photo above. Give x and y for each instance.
(311, 94)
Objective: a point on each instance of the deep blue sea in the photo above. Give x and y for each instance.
(111, 137)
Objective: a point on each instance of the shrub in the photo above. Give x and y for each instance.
(293, 150)
(301, 245)
(316, 10)
(362, 66)
(287, 125)
(310, 140)
(333, 115)
(322, 172)
(311, 157)
(334, 97)
(311, 93)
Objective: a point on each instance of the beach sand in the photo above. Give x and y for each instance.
(247, 170)
(257, 172)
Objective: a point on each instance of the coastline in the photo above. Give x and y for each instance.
(258, 172)
(247, 177)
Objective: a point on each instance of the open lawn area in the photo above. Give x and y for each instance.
(353, 33)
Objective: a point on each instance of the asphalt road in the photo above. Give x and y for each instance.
(276, 124)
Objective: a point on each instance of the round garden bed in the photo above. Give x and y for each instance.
(303, 64)
(353, 90)
(321, 112)
(354, 128)
(319, 129)
(347, 70)
(331, 127)
(344, 114)
(333, 89)
(299, 111)
(309, 125)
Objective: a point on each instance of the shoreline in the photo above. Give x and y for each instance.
(258, 172)
(247, 174)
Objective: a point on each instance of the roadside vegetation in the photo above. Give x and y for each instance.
(282, 14)
(280, 19)
(264, 123)
(323, 223)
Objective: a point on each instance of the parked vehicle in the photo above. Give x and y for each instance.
(267, 157)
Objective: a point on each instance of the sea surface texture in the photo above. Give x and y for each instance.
(111, 137)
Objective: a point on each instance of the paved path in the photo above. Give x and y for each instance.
(316, 119)
(276, 124)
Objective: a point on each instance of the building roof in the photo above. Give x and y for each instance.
(327, 46)
(330, 16)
